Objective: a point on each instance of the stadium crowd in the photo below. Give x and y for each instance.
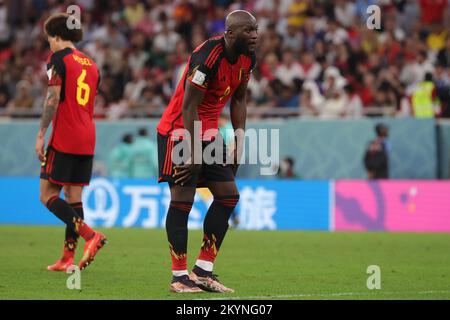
(315, 58)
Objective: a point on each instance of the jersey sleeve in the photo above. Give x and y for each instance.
(203, 64)
(55, 69)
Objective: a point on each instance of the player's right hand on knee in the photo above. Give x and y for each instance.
(183, 173)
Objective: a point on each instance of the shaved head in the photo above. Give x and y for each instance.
(241, 32)
(238, 18)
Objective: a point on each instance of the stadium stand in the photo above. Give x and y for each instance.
(315, 58)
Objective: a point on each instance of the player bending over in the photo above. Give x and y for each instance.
(67, 162)
(218, 70)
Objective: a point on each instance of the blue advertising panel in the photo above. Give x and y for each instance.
(263, 205)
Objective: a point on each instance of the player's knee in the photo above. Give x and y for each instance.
(72, 195)
(67, 195)
(228, 200)
(235, 196)
(45, 196)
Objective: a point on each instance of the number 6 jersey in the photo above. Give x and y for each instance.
(73, 128)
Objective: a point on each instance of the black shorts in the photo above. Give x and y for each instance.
(66, 168)
(208, 172)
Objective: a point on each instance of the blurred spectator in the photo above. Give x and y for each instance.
(376, 156)
(334, 105)
(424, 99)
(119, 159)
(432, 11)
(288, 97)
(259, 87)
(345, 12)
(436, 38)
(442, 83)
(144, 156)
(311, 99)
(310, 69)
(335, 33)
(23, 99)
(4, 27)
(286, 169)
(134, 12)
(296, 13)
(414, 71)
(292, 39)
(352, 102)
(148, 103)
(4, 93)
(167, 39)
(443, 57)
(289, 70)
(334, 82)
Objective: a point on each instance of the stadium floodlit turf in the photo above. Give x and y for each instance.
(257, 264)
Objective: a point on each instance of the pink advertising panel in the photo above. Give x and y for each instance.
(414, 205)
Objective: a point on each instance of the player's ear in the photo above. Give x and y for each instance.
(229, 34)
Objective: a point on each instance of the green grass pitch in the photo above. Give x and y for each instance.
(257, 264)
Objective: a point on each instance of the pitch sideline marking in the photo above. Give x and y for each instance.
(330, 294)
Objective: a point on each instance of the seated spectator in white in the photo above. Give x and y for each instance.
(334, 106)
(335, 33)
(333, 81)
(310, 99)
(133, 89)
(289, 69)
(117, 109)
(414, 71)
(310, 68)
(353, 103)
(345, 12)
(159, 14)
(258, 87)
(166, 41)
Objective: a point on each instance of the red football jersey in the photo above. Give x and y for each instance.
(73, 128)
(209, 70)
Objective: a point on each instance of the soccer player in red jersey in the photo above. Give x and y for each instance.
(218, 70)
(67, 162)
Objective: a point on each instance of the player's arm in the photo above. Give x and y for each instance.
(238, 115)
(193, 96)
(50, 106)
